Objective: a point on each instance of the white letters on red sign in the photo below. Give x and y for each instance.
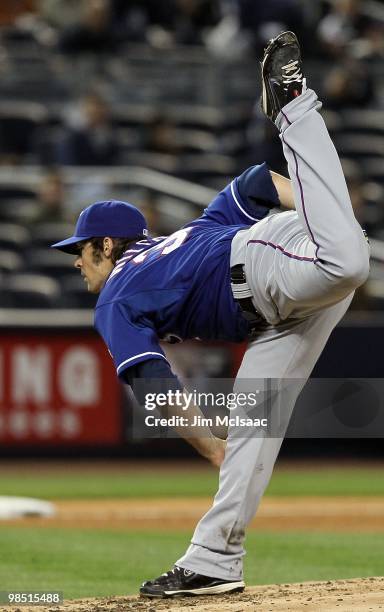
(52, 390)
(78, 376)
(31, 375)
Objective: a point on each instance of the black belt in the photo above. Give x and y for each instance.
(250, 313)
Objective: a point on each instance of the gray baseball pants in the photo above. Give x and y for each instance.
(302, 268)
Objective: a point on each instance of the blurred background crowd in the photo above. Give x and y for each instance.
(125, 98)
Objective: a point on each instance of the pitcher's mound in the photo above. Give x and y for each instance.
(360, 595)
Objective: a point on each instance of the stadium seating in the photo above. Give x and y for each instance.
(13, 236)
(29, 291)
(207, 104)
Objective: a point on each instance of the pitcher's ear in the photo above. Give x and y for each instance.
(107, 246)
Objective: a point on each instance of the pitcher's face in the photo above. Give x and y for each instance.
(94, 267)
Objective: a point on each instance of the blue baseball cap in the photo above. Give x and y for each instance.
(113, 218)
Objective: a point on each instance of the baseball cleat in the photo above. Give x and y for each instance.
(281, 73)
(180, 582)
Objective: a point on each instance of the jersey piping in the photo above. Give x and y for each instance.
(152, 354)
(239, 205)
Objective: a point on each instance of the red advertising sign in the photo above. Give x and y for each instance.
(57, 390)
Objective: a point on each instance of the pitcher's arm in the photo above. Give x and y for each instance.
(284, 189)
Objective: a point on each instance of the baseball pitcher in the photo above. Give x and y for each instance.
(282, 281)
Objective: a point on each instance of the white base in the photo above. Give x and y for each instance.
(19, 507)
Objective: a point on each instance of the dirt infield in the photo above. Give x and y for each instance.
(341, 596)
(276, 514)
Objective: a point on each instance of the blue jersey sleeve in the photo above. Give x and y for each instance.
(246, 200)
(152, 369)
(152, 376)
(129, 342)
